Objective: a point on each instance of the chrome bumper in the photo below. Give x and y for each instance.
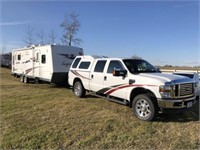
(176, 104)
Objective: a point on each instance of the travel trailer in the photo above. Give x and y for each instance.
(49, 63)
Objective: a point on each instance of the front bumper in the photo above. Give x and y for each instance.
(176, 103)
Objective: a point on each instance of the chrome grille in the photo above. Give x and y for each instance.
(184, 90)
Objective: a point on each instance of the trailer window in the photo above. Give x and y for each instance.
(43, 59)
(13, 60)
(18, 57)
(37, 56)
(75, 64)
(100, 66)
(84, 65)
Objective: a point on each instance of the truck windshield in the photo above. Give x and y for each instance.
(139, 66)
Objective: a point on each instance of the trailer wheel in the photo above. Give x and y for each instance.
(144, 108)
(78, 89)
(22, 78)
(37, 81)
(26, 79)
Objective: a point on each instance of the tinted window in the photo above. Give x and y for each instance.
(100, 66)
(76, 62)
(84, 65)
(43, 59)
(139, 66)
(18, 57)
(114, 65)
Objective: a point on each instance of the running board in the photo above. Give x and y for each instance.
(123, 102)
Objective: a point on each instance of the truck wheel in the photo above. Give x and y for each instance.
(26, 79)
(78, 89)
(143, 107)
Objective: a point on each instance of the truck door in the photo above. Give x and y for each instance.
(115, 85)
(97, 76)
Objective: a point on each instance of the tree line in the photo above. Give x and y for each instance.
(70, 26)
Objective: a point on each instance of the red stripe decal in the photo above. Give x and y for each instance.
(78, 74)
(125, 86)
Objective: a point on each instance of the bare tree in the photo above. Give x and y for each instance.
(3, 47)
(41, 37)
(52, 37)
(71, 27)
(28, 38)
(136, 57)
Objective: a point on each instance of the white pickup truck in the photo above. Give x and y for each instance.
(133, 82)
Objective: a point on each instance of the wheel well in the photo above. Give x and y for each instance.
(138, 91)
(75, 80)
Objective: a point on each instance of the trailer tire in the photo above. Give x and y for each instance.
(26, 79)
(22, 78)
(144, 107)
(37, 81)
(78, 89)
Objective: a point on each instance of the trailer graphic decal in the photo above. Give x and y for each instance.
(29, 70)
(69, 56)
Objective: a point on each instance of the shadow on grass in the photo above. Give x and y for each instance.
(186, 116)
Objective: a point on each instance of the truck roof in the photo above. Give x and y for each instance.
(93, 57)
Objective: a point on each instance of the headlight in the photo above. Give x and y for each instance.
(165, 91)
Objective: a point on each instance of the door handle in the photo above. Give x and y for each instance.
(92, 76)
(131, 81)
(105, 78)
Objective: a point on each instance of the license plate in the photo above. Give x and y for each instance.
(189, 104)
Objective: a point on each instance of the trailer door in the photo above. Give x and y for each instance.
(36, 63)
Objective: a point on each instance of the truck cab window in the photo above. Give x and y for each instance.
(43, 59)
(100, 66)
(114, 64)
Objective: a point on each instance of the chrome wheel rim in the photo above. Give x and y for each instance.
(143, 108)
(77, 89)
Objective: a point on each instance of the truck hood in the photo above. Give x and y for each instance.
(165, 78)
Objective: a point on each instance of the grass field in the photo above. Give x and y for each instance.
(43, 116)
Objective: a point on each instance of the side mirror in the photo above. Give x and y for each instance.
(118, 73)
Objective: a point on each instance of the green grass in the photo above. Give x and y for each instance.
(43, 116)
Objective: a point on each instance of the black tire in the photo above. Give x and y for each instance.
(144, 107)
(78, 89)
(37, 81)
(26, 79)
(22, 78)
